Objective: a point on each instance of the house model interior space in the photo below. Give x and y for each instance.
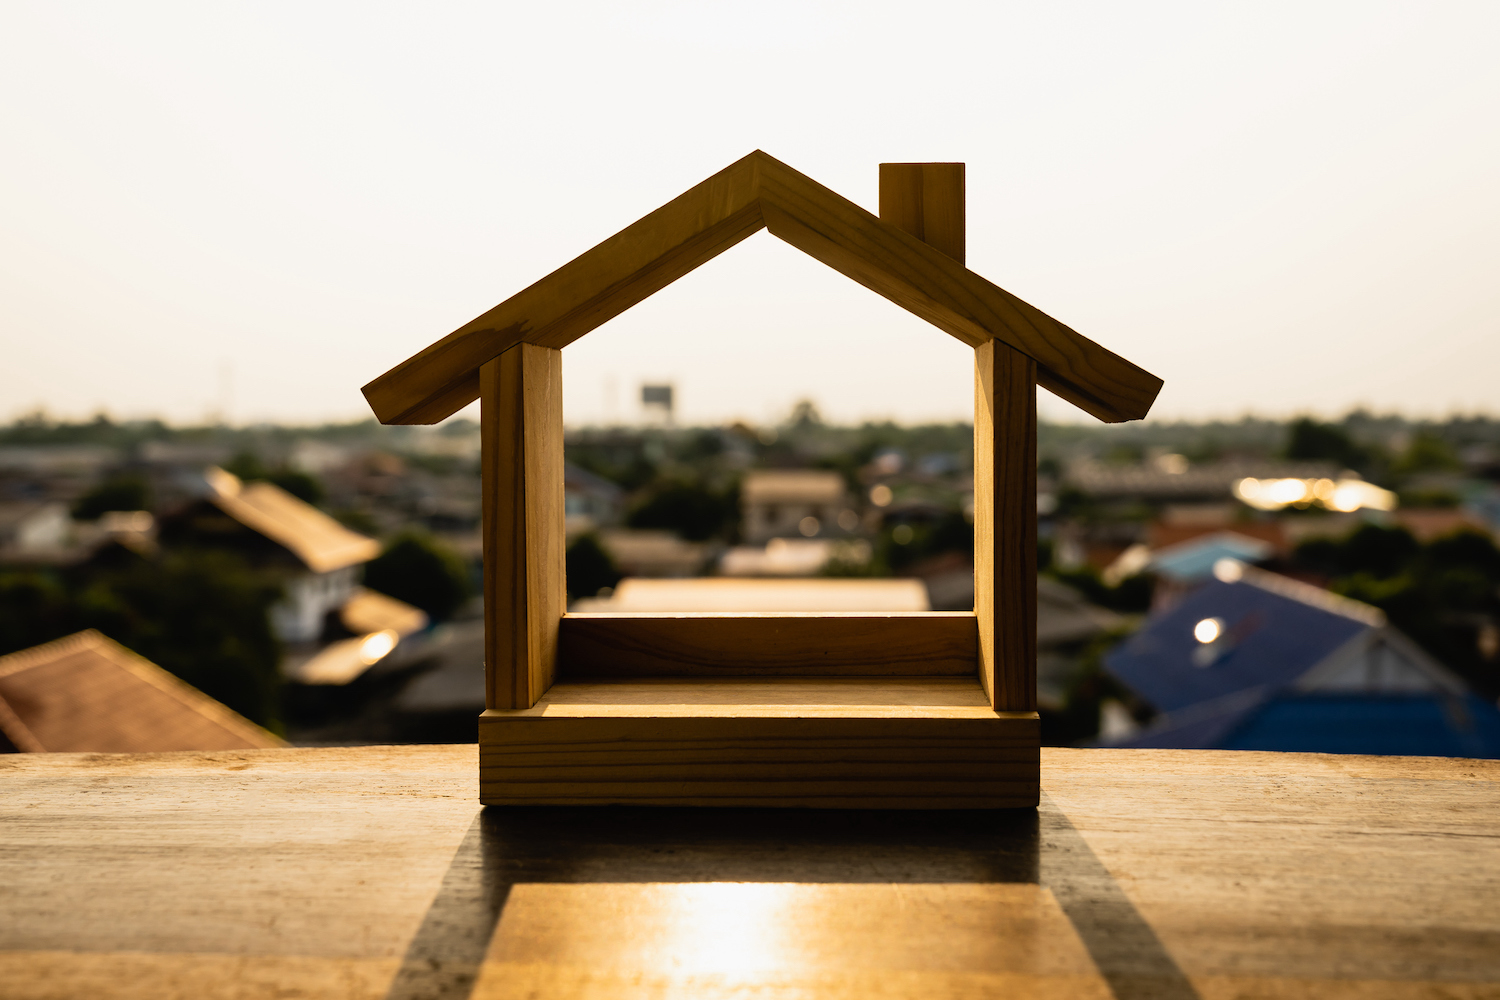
(858, 710)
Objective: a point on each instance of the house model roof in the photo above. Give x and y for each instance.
(87, 693)
(312, 536)
(754, 193)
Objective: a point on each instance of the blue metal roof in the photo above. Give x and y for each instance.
(1422, 725)
(1237, 694)
(1194, 559)
(1414, 725)
(1269, 641)
(1200, 727)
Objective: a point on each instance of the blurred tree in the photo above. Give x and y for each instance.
(693, 511)
(1087, 689)
(358, 520)
(1308, 440)
(123, 492)
(1424, 497)
(1465, 550)
(1124, 454)
(805, 415)
(590, 568)
(247, 465)
(1045, 549)
(901, 550)
(421, 571)
(627, 468)
(204, 616)
(34, 608)
(1383, 552)
(298, 484)
(1378, 552)
(700, 446)
(1441, 595)
(1131, 595)
(1427, 453)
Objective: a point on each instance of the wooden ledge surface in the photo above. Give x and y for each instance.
(370, 873)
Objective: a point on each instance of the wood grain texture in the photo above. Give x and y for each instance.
(859, 744)
(926, 200)
(881, 941)
(768, 644)
(316, 873)
(1005, 601)
(713, 216)
(521, 433)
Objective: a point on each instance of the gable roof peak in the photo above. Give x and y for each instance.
(758, 192)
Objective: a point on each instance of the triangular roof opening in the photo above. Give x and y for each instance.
(759, 328)
(760, 192)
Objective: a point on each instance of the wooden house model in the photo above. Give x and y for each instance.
(910, 710)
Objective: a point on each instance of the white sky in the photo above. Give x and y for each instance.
(256, 208)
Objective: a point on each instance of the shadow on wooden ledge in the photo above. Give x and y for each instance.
(634, 844)
(506, 847)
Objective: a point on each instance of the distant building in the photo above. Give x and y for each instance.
(53, 472)
(1193, 561)
(1263, 662)
(589, 501)
(319, 557)
(1181, 567)
(42, 534)
(1066, 623)
(1428, 524)
(1172, 479)
(183, 454)
(657, 402)
(376, 624)
(32, 527)
(88, 694)
(1185, 523)
(57, 459)
(710, 594)
(788, 503)
(653, 553)
(793, 556)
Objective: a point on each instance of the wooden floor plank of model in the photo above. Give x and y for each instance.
(899, 710)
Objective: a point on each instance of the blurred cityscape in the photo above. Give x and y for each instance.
(1260, 584)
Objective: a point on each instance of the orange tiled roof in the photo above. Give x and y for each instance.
(87, 693)
(311, 535)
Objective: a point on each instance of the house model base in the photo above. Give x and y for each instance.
(859, 743)
(934, 710)
(854, 710)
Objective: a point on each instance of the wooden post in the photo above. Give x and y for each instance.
(926, 200)
(525, 581)
(1005, 524)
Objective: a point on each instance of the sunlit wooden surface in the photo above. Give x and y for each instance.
(372, 873)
